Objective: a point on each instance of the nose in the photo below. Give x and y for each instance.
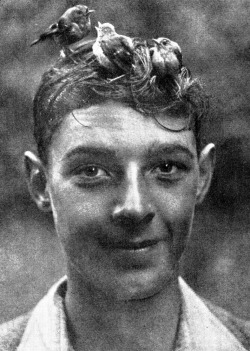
(134, 207)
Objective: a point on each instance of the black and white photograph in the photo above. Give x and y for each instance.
(125, 175)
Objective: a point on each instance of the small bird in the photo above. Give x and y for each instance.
(113, 51)
(166, 58)
(71, 27)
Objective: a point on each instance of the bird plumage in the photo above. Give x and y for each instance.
(71, 27)
(113, 51)
(166, 57)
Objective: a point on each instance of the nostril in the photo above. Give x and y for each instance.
(125, 221)
(127, 218)
(148, 218)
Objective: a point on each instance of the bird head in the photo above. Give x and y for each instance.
(77, 12)
(162, 42)
(84, 10)
(104, 29)
(167, 43)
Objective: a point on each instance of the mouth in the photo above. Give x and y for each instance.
(130, 245)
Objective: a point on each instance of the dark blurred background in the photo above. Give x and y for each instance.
(215, 39)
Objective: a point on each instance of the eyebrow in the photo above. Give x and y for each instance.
(169, 148)
(152, 150)
(91, 150)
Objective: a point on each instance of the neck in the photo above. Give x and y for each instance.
(97, 323)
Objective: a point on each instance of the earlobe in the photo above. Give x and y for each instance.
(37, 181)
(206, 167)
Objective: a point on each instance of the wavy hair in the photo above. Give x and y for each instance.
(78, 81)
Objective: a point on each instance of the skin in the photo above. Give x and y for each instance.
(123, 192)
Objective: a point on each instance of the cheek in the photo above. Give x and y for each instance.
(176, 207)
(182, 222)
(78, 215)
(177, 201)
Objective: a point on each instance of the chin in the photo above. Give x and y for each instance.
(125, 285)
(143, 285)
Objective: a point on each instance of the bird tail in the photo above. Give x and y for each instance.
(35, 42)
(49, 33)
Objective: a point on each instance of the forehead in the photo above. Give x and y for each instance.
(117, 126)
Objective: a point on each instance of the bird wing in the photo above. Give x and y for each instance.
(71, 34)
(119, 51)
(82, 45)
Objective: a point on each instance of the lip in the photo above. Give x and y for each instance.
(134, 254)
(130, 245)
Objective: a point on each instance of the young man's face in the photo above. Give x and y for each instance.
(123, 192)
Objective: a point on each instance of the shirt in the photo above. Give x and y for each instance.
(199, 328)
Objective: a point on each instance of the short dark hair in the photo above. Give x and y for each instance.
(79, 81)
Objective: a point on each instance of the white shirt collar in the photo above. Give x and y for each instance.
(199, 329)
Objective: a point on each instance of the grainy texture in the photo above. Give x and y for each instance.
(214, 37)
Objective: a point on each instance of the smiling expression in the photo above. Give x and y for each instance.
(123, 192)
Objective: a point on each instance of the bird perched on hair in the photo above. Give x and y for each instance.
(71, 27)
(166, 58)
(113, 51)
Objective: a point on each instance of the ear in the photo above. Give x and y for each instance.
(206, 168)
(37, 181)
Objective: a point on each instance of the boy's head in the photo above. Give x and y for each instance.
(119, 169)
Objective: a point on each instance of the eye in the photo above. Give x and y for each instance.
(169, 171)
(86, 176)
(167, 168)
(164, 42)
(90, 171)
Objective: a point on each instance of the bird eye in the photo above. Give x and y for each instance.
(165, 42)
(53, 26)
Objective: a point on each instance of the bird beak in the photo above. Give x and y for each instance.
(89, 12)
(99, 24)
(97, 29)
(156, 42)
